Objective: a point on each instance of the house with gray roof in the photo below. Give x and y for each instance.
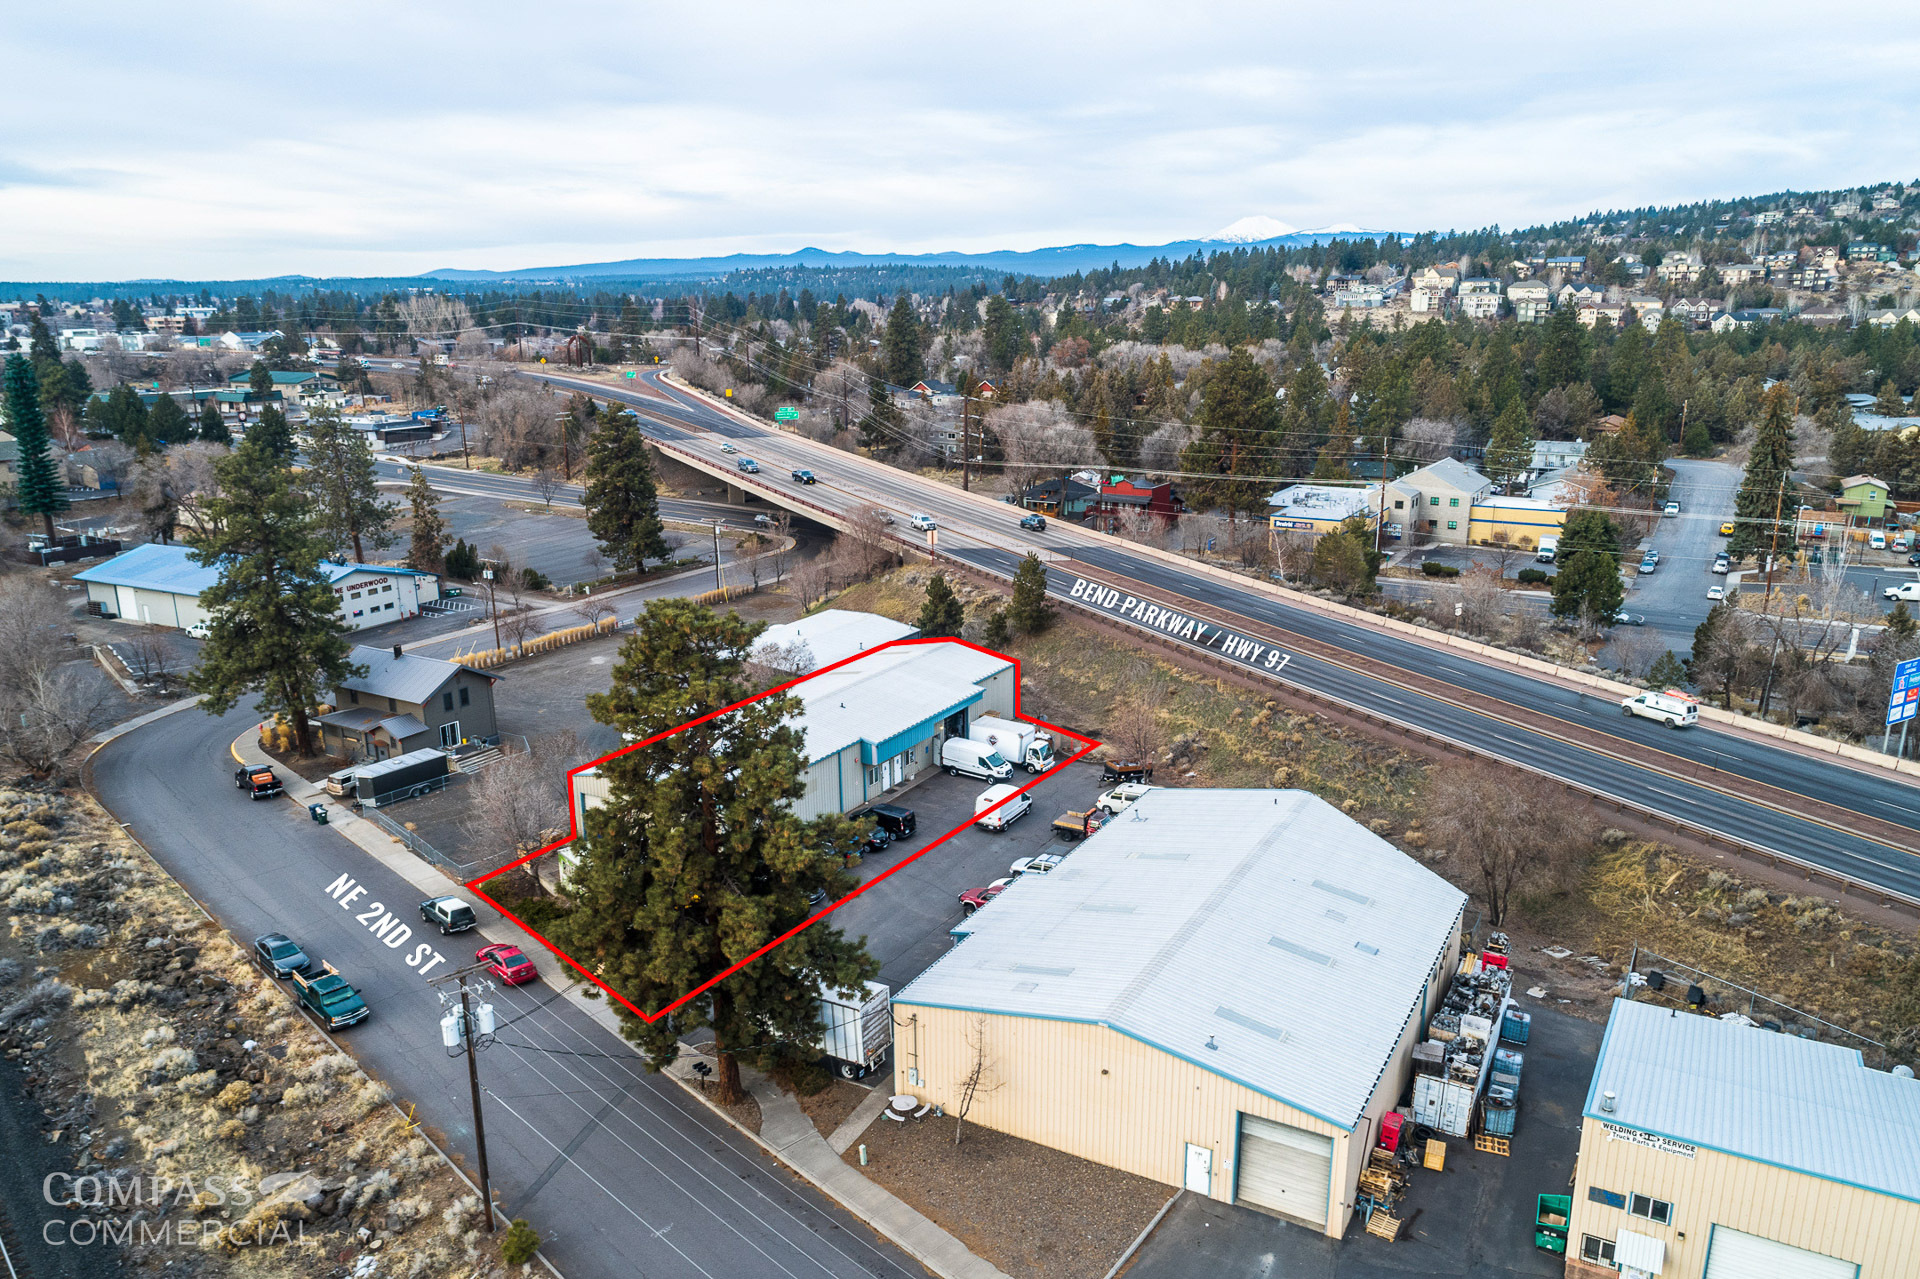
(406, 702)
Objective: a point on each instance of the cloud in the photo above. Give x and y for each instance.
(257, 140)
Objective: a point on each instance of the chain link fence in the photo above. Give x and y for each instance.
(1671, 983)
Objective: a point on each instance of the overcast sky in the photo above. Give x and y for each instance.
(219, 141)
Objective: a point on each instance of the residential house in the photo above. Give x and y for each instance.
(1610, 423)
(1865, 498)
(1321, 508)
(932, 389)
(1737, 274)
(1769, 217)
(1745, 318)
(1480, 306)
(1698, 312)
(1479, 284)
(1361, 297)
(1571, 265)
(1567, 488)
(1612, 312)
(1439, 499)
(1861, 251)
(1044, 497)
(1531, 300)
(1648, 309)
(1580, 295)
(1437, 279)
(1680, 268)
(1844, 209)
(1554, 455)
(1123, 496)
(1887, 319)
(406, 702)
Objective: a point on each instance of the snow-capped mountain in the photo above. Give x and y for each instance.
(1252, 230)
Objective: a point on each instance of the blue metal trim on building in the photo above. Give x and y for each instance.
(874, 752)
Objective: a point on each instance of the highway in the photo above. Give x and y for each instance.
(1667, 772)
(620, 1171)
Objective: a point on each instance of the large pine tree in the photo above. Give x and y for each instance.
(273, 434)
(1762, 490)
(427, 542)
(1510, 447)
(901, 345)
(213, 427)
(168, 423)
(1031, 611)
(697, 860)
(623, 506)
(1238, 424)
(941, 613)
(276, 627)
(40, 490)
(340, 479)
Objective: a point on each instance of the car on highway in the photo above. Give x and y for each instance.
(923, 523)
(974, 898)
(258, 780)
(1716, 592)
(1034, 522)
(333, 1000)
(507, 962)
(280, 955)
(449, 913)
(804, 476)
(748, 465)
(1624, 618)
(727, 448)
(1726, 528)
(763, 520)
(1122, 797)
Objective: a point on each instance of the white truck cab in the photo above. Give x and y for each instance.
(1021, 745)
(1673, 708)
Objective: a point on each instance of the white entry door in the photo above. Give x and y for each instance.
(1199, 1169)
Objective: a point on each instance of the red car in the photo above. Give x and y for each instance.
(509, 963)
(974, 898)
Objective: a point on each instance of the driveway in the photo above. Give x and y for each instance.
(1474, 1219)
(1674, 597)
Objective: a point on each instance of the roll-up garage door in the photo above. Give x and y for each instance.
(1734, 1254)
(1284, 1169)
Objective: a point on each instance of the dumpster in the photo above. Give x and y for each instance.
(1550, 1217)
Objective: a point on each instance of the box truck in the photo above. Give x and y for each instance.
(1021, 745)
(855, 1032)
(975, 759)
(1549, 548)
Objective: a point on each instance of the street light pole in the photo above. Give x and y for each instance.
(716, 555)
(493, 605)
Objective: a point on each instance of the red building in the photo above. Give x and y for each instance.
(1123, 495)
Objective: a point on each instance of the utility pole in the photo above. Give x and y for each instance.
(493, 605)
(966, 431)
(470, 1031)
(716, 555)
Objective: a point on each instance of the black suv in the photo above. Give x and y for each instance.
(896, 821)
(803, 476)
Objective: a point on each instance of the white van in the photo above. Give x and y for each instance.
(976, 759)
(1877, 540)
(1007, 814)
(1673, 708)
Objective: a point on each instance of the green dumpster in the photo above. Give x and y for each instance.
(1550, 1217)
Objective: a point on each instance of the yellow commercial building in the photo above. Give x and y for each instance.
(1219, 990)
(1523, 521)
(1719, 1150)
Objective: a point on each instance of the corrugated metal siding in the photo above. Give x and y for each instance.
(1095, 1093)
(1879, 1233)
(998, 700)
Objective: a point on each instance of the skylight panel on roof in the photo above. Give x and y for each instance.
(1294, 948)
(1249, 1023)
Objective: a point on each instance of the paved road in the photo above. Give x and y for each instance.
(1674, 597)
(621, 1172)
(985, 535)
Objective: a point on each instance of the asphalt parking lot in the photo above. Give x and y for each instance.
(907, 915)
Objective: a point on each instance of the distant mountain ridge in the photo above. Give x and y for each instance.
(1063, 260)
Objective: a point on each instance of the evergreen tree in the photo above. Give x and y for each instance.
(42, 346)
(463, 561)
(1238, 422)
(427, 542)
(276, 626)
(623, 510)
(126, 417)
(1761, 496)
(1563, 351)
(1668, 671)
(1588, 586)
(1345, 561)
(272, 433)
(40, 490)
(168, 423)
(1031, 611)
(884, 425)
(900, 347)
(1588, 529)
(697, 862)
(1510, 448)
(260, 378)
(997, 634)
(1719, 652)
(213, 427)
(942, 614)
(340, 480)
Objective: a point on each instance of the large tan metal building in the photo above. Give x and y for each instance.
(1219, 990)
(1716, 1150)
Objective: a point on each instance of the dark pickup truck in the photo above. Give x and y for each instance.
(257, 780)
(331, 998)
(1126, 770)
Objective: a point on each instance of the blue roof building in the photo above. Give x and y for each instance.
(160, 585)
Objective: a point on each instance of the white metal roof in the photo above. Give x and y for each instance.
(1259, 934)
(1795, 1103)
(836, 633)
(875, 697)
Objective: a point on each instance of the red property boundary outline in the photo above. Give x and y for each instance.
(1088, 744)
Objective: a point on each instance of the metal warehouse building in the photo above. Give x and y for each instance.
(1220, 990)
(875, 723)
(1716, 1150)
(160, 585)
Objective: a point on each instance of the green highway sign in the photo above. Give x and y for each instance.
(632, 374)
(786, 413)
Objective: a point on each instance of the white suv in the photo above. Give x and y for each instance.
(923, 523)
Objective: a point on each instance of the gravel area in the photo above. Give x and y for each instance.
(1034, 1212)
(830, 1107)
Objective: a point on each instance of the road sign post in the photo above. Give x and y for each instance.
(1903, 700)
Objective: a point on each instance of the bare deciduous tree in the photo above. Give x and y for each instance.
(1134, 726)
(773, 663)
(783, 545)
(1505, 832)
(147, 655)
(1483, 603)
(865, 547)
(1293, 553)
(520, 802)
(979, 1080)
(49, 702)
(546, 483)
(1429, 438)
(1041, 439)
(591, 610)
(810, 580)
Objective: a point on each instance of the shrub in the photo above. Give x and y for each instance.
(1532, 575)
(1434, 568)
(521, 1243)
